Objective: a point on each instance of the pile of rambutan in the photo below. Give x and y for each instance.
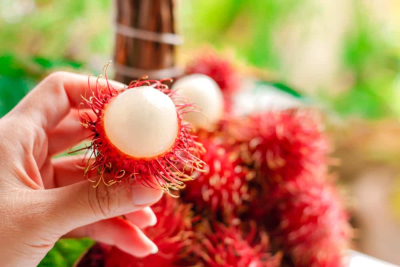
(252, 191)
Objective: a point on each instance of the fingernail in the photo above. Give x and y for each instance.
(153, 220)
(154, 249)
(145, 196)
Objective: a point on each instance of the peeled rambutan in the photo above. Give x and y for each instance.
(222, 186)
(172, 234)
(311, 223)
(224, 246)
(220, 69)
(283, 145)
(139, 135)
(205, 94)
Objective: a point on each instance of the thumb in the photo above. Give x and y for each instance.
(80, 204)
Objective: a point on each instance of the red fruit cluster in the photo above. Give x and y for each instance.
(219, 69)
(222, 186)
(274, 167)
(284, 145)
(230, 247)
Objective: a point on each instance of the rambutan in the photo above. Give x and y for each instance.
(205, 94)
(172, 234)
(311, 223)
(283, 145)
(220, 69)
(222, 187)
(139, 135)
(224, 246)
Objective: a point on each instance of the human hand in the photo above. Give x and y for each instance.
(43, 199)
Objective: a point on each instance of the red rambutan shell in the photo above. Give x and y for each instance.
(222, 186)
(225, 246)
(164, 171)
(283, 145)
(172, 234)
(312, 224)
(220, 69)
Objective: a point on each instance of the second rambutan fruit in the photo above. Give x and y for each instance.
(223, 246)
(283, 145)
(220, 69)
(222, 186)
(311, 223)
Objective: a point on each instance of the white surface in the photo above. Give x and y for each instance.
(142, 122)
(255, 98)
(358, 259)
(206, 95)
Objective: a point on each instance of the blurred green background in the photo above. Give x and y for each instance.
(344, 54)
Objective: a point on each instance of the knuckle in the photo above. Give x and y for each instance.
(56, 76)
(102, 201)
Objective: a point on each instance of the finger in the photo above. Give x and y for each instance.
(80, 204)
(66, 171)
(68, 133)
(53, 98)
(120, 233)
(142, 218)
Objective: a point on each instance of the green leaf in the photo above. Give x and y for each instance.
(12, 90)
(66, 252)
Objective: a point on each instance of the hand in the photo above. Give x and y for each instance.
(43, 199)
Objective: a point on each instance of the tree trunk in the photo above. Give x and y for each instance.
(145, 40)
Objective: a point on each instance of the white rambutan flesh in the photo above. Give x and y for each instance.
(206, 95)
(141, 122)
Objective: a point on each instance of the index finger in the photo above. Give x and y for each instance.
(56, 95)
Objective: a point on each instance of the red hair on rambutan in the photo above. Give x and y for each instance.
(283, 145)
(220, 69)
(222, 186)
(223, 246)
(164, 171)
(312, 225)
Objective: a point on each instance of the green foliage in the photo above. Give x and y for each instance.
(368, 56)
(61, 29)
(246, 26)
(66, 252)
(19, 75)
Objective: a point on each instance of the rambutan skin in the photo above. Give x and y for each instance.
(172, 234)
(222, 186)
(222, 246)
(164, 171)
(220, 69)
(311, 223)
(283, 145)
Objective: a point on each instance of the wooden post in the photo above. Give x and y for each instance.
(145, 40)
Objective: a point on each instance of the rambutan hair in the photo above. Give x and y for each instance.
(220, 69)
(283, 145)
(312, 225)
(222, 187)
(165, 171)
(229, 246)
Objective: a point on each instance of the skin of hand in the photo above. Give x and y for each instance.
(43, 199)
